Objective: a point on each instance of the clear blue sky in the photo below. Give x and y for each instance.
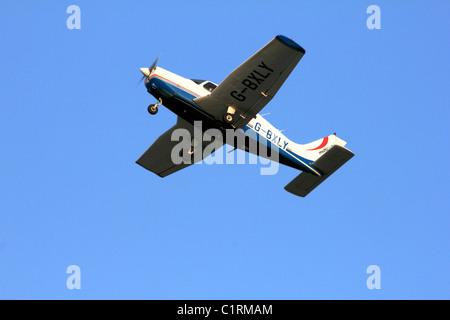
(73, 122)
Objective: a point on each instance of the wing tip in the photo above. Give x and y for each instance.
(290, 43)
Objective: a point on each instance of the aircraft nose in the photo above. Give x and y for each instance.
(145, 71)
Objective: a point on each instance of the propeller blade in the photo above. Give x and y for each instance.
(152, 67)
(146, 72)
(142, 79)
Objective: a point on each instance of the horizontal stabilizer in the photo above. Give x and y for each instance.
(332, 160)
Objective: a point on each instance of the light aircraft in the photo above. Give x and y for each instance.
(235, 104)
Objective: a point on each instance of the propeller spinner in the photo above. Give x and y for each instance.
(147, 71)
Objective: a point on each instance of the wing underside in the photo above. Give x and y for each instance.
(170, 152)
(254, 83)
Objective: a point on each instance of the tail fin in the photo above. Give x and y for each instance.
(328, 156)
(316, 149)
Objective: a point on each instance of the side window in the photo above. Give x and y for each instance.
(198, 81)
(209, 86)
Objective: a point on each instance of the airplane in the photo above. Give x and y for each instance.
(235, 104)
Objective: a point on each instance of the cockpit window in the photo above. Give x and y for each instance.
(209, 86)
(198, 81)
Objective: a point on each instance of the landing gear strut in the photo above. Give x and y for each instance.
(153, 108)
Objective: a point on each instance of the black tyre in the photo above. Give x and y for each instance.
(152, 109)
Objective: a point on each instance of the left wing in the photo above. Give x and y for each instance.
(254, 83)
(159, 158)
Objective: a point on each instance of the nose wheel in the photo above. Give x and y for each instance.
(153, 108)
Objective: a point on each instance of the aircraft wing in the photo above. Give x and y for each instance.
(254, 83)
(159, 158)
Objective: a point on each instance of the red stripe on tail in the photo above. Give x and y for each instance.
(323, 144)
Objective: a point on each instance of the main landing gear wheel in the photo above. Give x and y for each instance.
(228, 118)
(152, 109)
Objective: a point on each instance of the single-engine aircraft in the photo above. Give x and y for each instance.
(235, 104)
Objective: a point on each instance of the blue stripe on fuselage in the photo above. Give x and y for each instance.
(176, 91)
(179, 92)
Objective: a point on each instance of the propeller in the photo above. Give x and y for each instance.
(147, 71)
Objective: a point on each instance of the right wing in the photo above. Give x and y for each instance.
(160, 157)
(254, 83)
